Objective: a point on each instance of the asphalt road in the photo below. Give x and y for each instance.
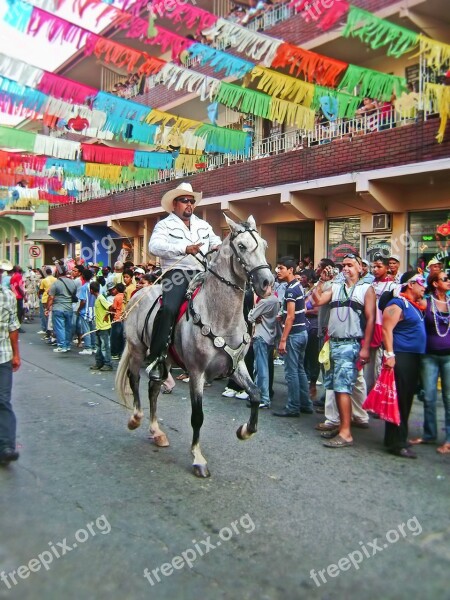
(91, 505)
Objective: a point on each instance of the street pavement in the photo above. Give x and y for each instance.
(90, 505)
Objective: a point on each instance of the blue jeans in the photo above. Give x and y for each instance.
(117, 339)
(262, 351)
(431, 366)
(7, 416)
(83, 324)
(103, 348)
(44, 319)
(62, 327)
(294, 370)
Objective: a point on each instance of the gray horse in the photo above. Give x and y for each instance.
(211, 342)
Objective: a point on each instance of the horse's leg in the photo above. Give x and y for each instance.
(134, 378)
(196, 384)
(158, 436)
(243, 379)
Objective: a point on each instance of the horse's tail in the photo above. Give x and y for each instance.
(122, 385)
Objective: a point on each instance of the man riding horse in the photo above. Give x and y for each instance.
(181, 234)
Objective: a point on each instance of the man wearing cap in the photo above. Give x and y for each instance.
(9, 362)
(181, 235)
(60, 302)
(434, 266)
(394, 265)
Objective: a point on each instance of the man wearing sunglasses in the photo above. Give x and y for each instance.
(181, 235)
(350, 327)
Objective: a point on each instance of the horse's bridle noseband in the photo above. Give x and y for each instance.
(233, 236)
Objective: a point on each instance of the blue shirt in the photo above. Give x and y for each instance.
(409, 333)
(294, 293)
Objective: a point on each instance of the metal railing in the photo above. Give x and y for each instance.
(271, 17)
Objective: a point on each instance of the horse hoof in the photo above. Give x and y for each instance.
(134, 423)
(243, 433)
(201, 471)
(161, 441)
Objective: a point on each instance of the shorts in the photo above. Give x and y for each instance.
(343, 373)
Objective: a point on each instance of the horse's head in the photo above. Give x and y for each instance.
(249, 250)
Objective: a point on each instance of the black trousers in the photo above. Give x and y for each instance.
(406, 378)
(174, 286)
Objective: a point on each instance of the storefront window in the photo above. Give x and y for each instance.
(343, 238)
(429, 238)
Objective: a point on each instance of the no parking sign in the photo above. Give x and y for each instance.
(34, 252)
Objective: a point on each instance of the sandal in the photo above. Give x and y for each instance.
(338, 442)
(444, 449)
(420, 440)
(182, 376)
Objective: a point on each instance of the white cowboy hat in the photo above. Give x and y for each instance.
(184, 189)
(5, 265)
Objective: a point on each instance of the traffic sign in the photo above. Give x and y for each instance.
(34, 251)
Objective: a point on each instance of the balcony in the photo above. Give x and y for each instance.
(331, 149)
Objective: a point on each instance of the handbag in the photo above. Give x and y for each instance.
(72, 294)
(383, 397)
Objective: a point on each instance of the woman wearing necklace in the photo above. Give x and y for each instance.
(436, 361)
(404, 341)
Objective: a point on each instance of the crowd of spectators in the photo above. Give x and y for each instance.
(82, 306)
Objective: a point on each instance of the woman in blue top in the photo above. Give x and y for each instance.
(404, 340)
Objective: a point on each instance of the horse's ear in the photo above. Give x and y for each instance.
(231, 224)
(251, 222)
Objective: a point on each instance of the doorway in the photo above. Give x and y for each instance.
(296, 240)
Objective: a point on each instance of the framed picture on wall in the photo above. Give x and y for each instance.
(377, 244)
(344, 237)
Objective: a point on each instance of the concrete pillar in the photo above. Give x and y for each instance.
(269, 233)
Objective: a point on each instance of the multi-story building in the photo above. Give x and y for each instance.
(371, 181)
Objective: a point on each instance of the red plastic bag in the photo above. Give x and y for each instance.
(383, 398)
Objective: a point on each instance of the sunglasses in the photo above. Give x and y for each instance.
(443, 279)
(419, 280)
(354, 257)
(186, 200)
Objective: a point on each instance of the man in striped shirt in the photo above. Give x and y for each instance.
(293, 342)
(9, 362)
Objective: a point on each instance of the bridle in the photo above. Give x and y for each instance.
(249, 273)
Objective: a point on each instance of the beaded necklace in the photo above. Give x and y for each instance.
(345, 297)
(440, 317)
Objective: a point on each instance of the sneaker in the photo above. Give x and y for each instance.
(106, 368)
(66, 349)
(86, 351)
(185, 380)
(264, 405)
(41, 332)
(229, 393)
(115, 357)
(242, 395)
(94, 368)
(59, 350)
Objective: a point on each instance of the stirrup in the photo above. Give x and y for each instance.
(157, 370)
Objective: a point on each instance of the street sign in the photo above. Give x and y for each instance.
(34, 252)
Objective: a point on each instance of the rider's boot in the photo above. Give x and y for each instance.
(157, 370)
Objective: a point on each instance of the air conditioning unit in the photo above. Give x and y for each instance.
(381, 222)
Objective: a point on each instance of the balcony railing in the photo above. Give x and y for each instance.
(323, 133)
(271, 18)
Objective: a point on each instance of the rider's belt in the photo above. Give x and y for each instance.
(342, 340)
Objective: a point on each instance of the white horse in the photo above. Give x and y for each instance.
(211, 340)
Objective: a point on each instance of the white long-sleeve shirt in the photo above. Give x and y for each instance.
(171, 237)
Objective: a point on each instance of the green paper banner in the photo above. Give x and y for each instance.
(378, 32)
